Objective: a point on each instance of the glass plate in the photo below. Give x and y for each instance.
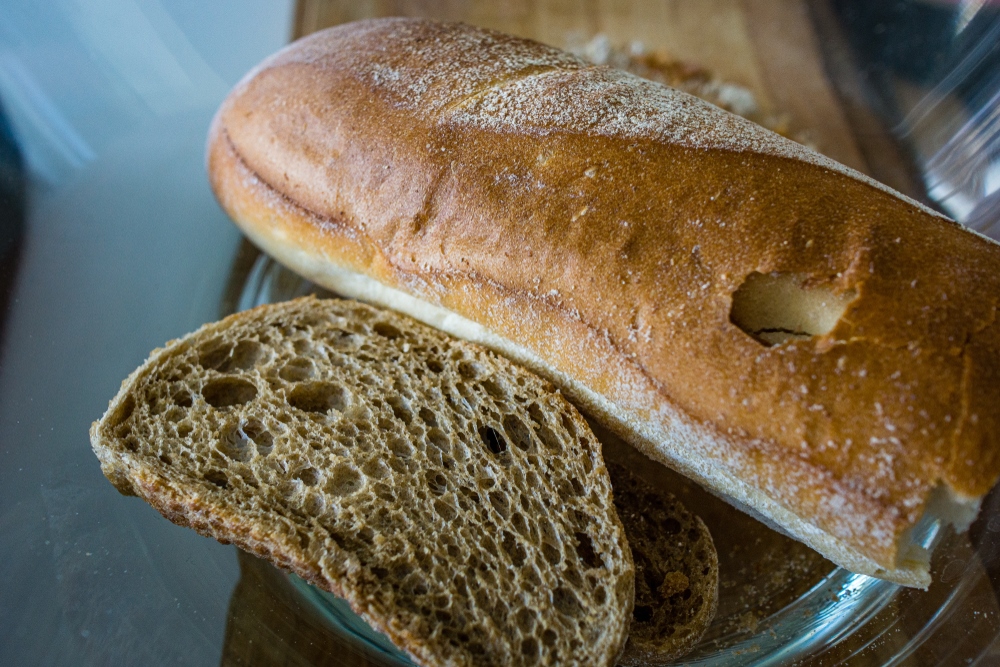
(780, 603)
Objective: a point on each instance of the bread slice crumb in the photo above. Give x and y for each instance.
(456, 501)
(676, 571)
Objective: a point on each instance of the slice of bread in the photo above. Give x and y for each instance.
(456, 501)
(676, 571)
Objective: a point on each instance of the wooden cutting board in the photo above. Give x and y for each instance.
(788, 53)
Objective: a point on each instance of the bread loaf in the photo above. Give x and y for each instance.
(800, 339)
(458, 503)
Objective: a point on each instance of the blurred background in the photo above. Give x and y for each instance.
(111, 243)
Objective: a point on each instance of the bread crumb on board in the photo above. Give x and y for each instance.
(686, 76)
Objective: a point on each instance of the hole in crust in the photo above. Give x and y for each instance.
(223, 392)
(776, 307)
(319, 397)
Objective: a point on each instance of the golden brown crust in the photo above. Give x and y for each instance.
(611, 251)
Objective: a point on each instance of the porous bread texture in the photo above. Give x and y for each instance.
(676, 571)
(596, 228)
(456, 501)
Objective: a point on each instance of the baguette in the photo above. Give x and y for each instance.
(801, 340)
(455, 500)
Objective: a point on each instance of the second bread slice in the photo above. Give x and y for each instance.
(457, 502)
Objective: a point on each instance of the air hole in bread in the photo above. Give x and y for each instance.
(436, 482)
(520, 525)
(427, 416)
(499, 502)
(438, 439)
(375, 469)
(386, 330)
(125, 411)
(545, 433)
(493, 440)
(670, 526)
(494, 388)
(261, 437)
(308, 476)
(244, 356)
(525, 619)
(183, 399)
(445, 510)
(518, 432)
(468, 370)
(513, 549)
(585, 550)
(344, 481)
(565, 601)
(401, 448)
(401, 409)
(298, 370)
(551, 553)
(228, 391)
(214, 353)
(235, 444)
(774, 308)
(218, 478)
(318, 397)
(642, 613)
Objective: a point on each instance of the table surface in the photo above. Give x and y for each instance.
(123, 248)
